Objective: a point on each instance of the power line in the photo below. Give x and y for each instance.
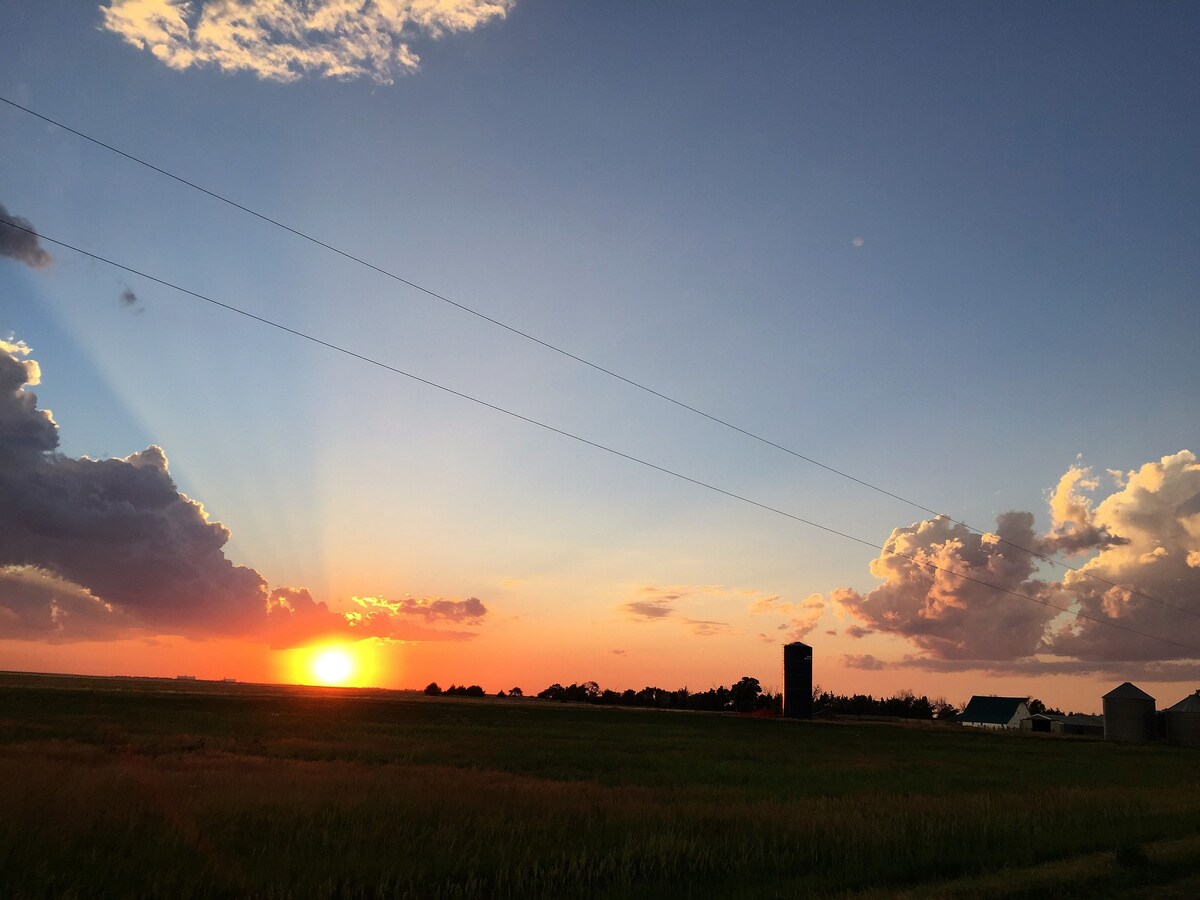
(1037, 554)
(586, 441)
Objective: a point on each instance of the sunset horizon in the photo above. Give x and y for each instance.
(485, 381)
(511, 448)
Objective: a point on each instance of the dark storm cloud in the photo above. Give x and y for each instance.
(100, 548)
(21, 243)
(38, 605)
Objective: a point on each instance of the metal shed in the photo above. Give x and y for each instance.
(1183, 721)
(1042, 722)
(1081, 726)
(1128, 714)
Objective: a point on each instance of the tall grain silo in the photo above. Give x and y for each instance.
(1128, 715)
(1183, 721)
(797, 680)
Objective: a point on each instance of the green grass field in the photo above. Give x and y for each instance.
(141, 788)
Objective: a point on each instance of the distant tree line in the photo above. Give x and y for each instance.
(745, 696)
(901, 705)
(454, 690)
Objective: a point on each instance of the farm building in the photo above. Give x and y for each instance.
(1053, 723)
(995, 712)
(1129, 715)
(1043, 722)
(1084, 726)
(1183, 721)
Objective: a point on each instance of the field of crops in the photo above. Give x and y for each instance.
(136, 788)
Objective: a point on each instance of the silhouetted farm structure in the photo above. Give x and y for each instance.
(1129, 712)
(797, 681)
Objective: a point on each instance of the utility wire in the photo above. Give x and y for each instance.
(582, 440)
(579, 359)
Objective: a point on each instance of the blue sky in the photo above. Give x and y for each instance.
(944, 247)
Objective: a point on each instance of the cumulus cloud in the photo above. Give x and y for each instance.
(1142, 575)
(952, 617)
(1073, 527)
(1156, 513)
(283, 40)
(93, 549)
(21, 243)
(38, 605)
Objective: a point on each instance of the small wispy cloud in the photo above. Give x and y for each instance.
(705, 628)
(662, 604)
(802, 617)
(649, 609)
(129, 300)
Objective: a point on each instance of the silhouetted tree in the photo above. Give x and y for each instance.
(432, 689)
(555, 692)
(1036, 706)
(516, 692)
(902, 705)
(745, 694)
(944, 710)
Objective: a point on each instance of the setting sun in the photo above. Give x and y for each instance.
(358, 664)
(332, 666)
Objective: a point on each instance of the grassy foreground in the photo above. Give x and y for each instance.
(132, 788)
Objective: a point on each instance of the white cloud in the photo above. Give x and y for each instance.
(949, 616)
(283, 40)
(1143, 576)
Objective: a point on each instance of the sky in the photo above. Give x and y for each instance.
(951, 250)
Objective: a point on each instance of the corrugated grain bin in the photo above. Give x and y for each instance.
(797, 680)
(1128, 715)
(1183, 721)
